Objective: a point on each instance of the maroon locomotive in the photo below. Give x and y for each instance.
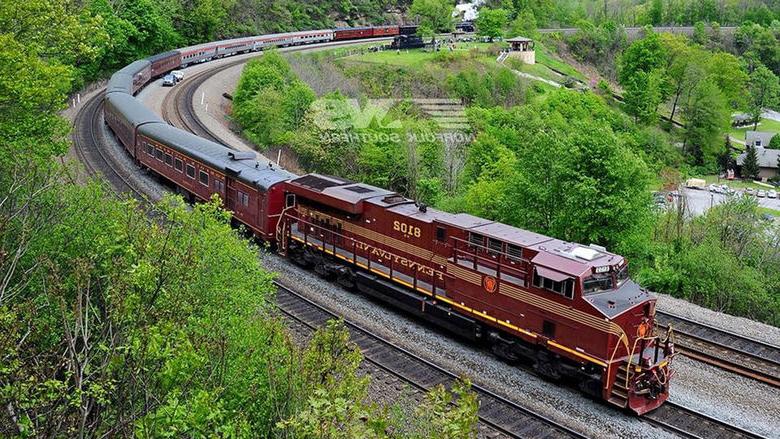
(569, 308)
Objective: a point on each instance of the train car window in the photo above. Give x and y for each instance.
(548, 329)
(441, 234)
(515, 252)
(159, 154)
(476, 240)
(243, 198)
(149, 149)
(178, 164)
(289, 200)
(191, 171)
(204, 178)
(219, 185)
(597, 283)
(168, 159)
(495, 246)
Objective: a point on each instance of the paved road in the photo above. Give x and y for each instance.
(701, 200)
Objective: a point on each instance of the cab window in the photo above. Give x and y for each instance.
(597, 283)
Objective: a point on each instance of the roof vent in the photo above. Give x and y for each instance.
(393, 199)
(585, 253)
(359, 189)
(241, 155)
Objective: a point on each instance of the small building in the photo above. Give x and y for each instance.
(741, 120)
(523, 49)
(758, 139)
(767, 162)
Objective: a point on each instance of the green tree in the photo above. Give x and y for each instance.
(491, 22)
(433, 16)
(706, 116)
(643, 93)
(774, 143)
(656, 12)
(764, 90)
(750, 167)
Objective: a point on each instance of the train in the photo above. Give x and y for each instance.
(569, 310)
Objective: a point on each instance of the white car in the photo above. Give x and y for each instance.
(178, 74)
(761, 193)
(772, 194)
(713, 188)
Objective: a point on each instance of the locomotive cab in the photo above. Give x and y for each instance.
(638, 375)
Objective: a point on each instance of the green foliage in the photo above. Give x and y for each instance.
(491, 22)
(433, 16)
(726, 259)
(32, 91)
(750, 166)
(598, 45)
(774, 143)
(764, 92)
(562, 167)
(270, 102)
(706, 116)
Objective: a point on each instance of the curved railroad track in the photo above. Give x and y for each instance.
(500, 414)
(89, 145)
(742, 355)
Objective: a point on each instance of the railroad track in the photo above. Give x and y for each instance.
(742, 355)
(496, 412)
(691, 424)
(89, 147)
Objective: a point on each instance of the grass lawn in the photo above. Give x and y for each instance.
(414, 58)
(773, 212)
(734, 184)
(543, 56)
(771, 126)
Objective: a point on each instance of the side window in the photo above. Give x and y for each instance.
(495, 246)
(441, 234)
(243, 198)
(191, 171)
(204, 178)
(476, 240)
(564, 288)
(159, 154)
(149, 149)
(179, 165)
(168, 159)
(219, 185)
(289, 200)
(514, 252)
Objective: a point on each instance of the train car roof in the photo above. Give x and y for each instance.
(132, 109)
(135, 67)
(120, 82)
(241, 165)
(164, 55)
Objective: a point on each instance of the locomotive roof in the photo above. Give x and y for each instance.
(135, 67)
(132, 109)
(236, 163)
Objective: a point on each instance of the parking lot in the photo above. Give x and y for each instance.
(699, 200)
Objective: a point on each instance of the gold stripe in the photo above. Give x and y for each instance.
(466, 308)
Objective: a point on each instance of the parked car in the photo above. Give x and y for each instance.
(178, 74)
(169, 80)
(750, 191)
(712, 188)
(772, 194)
(761, 193)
